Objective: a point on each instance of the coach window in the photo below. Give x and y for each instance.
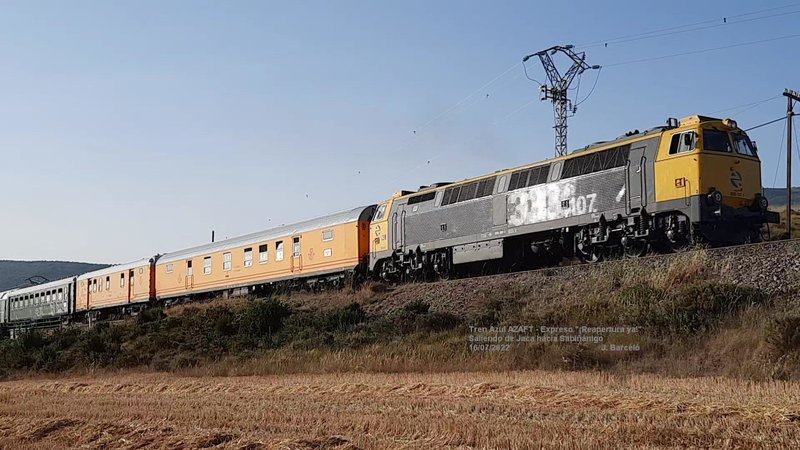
(122, 280)
(130, 278)
(170, 268)
(108, 283)
(189, 268)
(60, 294)
(248, 257)
(263, 254)
(279, 251)
(327, 235)
(296, 246)
(683, 142)
(207, 265)
(94, 285)
(226, 261)
(100, 285)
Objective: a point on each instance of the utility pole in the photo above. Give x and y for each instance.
(559, 87)
(791, 97)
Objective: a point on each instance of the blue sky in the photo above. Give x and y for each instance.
(134, 128)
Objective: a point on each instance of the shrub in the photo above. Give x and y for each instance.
(783, 333)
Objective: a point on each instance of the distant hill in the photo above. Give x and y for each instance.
(777, 196)
(16, 273)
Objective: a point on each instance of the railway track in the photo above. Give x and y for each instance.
(575, 264)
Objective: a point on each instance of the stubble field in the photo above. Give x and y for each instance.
(523, 409)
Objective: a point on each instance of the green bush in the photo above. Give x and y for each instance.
(691, 309)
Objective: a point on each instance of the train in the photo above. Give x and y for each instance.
(693, 180)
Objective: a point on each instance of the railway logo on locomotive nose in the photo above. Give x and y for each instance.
(736, 179)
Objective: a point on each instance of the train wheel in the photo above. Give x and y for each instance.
(592, 254)
(636, 248)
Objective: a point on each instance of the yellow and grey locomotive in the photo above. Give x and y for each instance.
(693, 180)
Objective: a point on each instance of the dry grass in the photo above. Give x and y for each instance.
(514, 410)
(778, 230)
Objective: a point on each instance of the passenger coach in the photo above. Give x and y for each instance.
(115, 289)
(46, 304)
(318, 252)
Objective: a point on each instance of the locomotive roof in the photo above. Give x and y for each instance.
(351, 215)
(626, 138)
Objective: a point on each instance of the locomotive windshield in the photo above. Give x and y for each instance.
(743, 145)
(721, 141)
(716, 141)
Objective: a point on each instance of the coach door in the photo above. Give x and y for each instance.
(297, 255)
(636, 179)
(123, 285)
(131, 284)
(189, 280)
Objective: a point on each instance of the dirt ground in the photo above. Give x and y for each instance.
(516, 410)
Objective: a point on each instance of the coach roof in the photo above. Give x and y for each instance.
(352, 215)
(116, 269)
(41, 287)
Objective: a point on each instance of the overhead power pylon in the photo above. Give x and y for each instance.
(559, 86)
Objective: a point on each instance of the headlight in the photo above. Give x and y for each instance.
(715, 197)
(763, 203)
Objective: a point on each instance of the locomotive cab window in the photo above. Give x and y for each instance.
(327, 235)
(683, 142)
(743, 145)
(381, 212)
(716, 141)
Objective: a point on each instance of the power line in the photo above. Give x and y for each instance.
(780, 152)
(597, 77)
(706, 50)
(756, 103)
(796, 142)
(767, 123)
(661, 32)
(706, 27)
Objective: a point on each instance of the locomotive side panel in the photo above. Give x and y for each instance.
(589, 195)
